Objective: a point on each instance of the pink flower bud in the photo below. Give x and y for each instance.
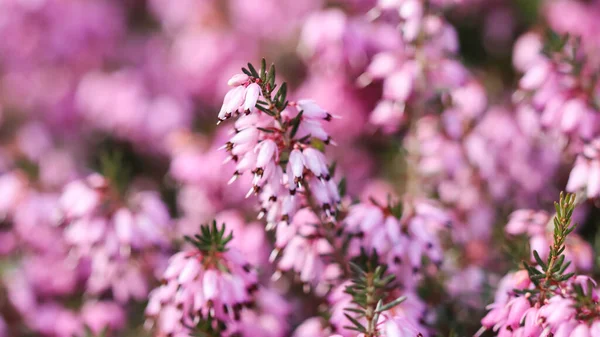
(316, 162)
(593, 189)
(382, 64)
(579, 175)
(535, 76)
(210, 284)
(296, 161)
(521, 279)
(595, 329)
(582, 330)
(232, 102)
(252, 94)
(237, 79)
(398, 86)
(310, 109)
(518, 306)
(572, 114)
(267, 152)
(123, 220)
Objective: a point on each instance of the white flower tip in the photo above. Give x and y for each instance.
(373, 14)
(233, 178)
(364, 80)
(276, 276)
(273, 255)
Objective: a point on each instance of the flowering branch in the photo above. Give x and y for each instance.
(280, 143)
(553, 270)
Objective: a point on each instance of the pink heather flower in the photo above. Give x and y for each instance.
(33, 140)
(35, 291)
(312, 327)
(61, 279)
(55, 320)
(582, 330)
(57, 167)
(585, 175)
(101, 315)
(303, 249)
(331, 42)
(284, 17)
(242, 98)
(401, 242)
(13, 186)
(268, 318)
(335, 94)
(237, 80)
(34, 222)
(527, 51)
(109, 234)
(514, 314)
(311, 110)
(504, 293)
(465, 282)
(554, 88)
(388, 116)
(414, 73)
(121, 104)
(197, 283)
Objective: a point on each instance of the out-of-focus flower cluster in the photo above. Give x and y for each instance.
(390, 173)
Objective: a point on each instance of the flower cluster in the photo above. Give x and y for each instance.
(421, 68)
(273, 141)
(545, 298)
(403, 235)
(309, 242)
(203, 287)
(121, 239)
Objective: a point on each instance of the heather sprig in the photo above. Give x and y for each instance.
(370, 285)
(552, 271)
(280, 144)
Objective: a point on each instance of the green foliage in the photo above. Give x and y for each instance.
(211, 238)
(547, 274)
(266, 78)
(369, 288)
(113, 167)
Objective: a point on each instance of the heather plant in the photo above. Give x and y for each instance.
(396, 171)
